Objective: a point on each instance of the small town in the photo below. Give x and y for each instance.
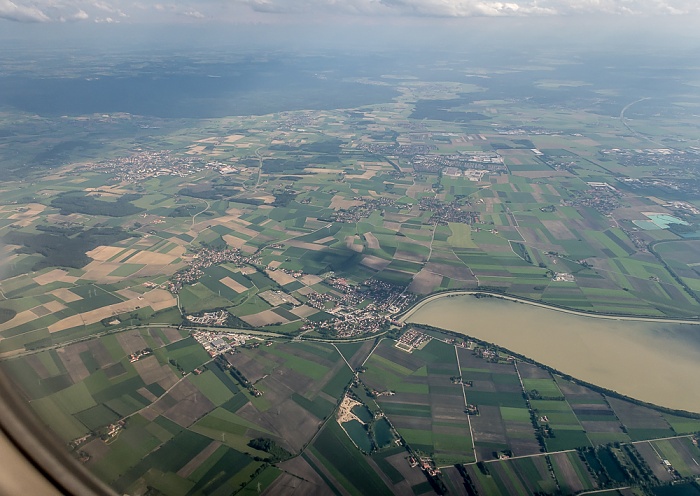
(444, 212)
(143, 165)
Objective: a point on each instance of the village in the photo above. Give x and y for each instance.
(203, 258)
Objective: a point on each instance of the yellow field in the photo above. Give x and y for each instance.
(104, 253)
(266, 317)
(339, 202)
(65, 295)
(233, 241)
(53, 276)
(158, 299)
(280, 277)
(461, 236)
(234, 285)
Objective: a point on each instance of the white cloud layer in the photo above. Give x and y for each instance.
(469, 8)
(153, 10)
(23, 13)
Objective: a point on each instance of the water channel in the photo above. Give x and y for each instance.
(657, 362)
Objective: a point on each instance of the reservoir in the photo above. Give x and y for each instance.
(656, 362)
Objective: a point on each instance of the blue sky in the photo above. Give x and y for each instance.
(274, 11)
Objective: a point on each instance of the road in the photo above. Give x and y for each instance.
(194, 217)
(424, 301)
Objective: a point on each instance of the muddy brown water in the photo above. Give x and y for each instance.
(657, 362)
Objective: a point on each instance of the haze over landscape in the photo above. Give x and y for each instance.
(360, 247)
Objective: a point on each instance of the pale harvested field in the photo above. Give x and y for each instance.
(339, 202)
(54, 275)
(128, 293)
(159, 270)
(416, 188)
(265, 198)
(26, 218)
(200, 458)
(310, 279)
(234, 285)
(104, 253)
(275, 263)
(70, 356)
(392, 226)
(151, 371)
(233, 241)
(171, 334)
(303, 311)
(159, 299)
(325, 240)
(116, 189)
(98, 314)
(375, 263)
(57, 218)
(234, 137)
(368, 174)
(99, 271)
(539, 174)
(54, 306)
(351, 245)
(123, 256)
(425, 282)
(67, 323)
(177, 251)
(168, 382)
(537, 195)
(19, 319)
(196, 150)
(558, 229)
(149, 257)
(280, 277)
(372, 241)
(586, 142)
(234, 213)
(147, 394)
(266, 317)
(400, 218)
(65, 295)
(304, 245)
(131, 341)
(410, 256)
(237, 226)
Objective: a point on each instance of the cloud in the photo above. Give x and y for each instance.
(194, 14)
(472, 8)
(21, 13)
(60, 10)
(110, 11)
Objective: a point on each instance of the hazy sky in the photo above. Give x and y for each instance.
(150, 11)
